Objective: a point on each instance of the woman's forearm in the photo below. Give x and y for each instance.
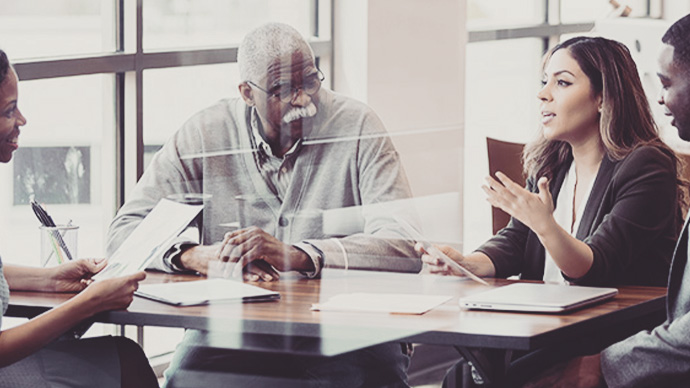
(28, 278)
(479, 264)
(26, 339)
(571, 255)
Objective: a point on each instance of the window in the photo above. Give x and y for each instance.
(506, 42)
(196, 23)
(171, 96)
(66, 160)
(68, 27)
(489, 14)
(101, 97)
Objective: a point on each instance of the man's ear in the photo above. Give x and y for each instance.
(247, 93)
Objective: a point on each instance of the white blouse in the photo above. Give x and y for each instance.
(563, 214)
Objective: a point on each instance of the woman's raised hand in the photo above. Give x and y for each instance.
(533, 210)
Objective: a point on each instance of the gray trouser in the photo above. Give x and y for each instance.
(378, 366)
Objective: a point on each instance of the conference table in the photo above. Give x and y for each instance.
(289, 325)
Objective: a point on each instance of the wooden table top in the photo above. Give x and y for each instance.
(291, 317)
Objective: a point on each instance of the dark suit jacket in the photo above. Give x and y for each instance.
(661, 357)
(631, 221)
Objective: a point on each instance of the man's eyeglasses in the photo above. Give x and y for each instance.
(286, 92)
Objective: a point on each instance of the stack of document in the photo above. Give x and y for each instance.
(204, 292)
(383, 303)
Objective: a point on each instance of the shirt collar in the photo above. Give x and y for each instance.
(261, 144)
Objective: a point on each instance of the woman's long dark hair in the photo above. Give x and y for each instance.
(626, 120)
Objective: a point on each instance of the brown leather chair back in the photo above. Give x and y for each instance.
(505, 157)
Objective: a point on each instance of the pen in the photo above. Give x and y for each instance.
(53, 239)
(47, 221)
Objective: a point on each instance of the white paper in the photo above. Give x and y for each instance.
(383, 303)
(151, 238)
(431, 249)
(204, 291)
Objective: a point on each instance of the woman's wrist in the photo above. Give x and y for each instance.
(50, 275)
(87, 303)
(480, 264)
(42, 279)
(547, 230)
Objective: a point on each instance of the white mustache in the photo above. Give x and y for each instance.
(298, 113)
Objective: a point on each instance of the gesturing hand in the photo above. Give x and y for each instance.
(533, 210)
(74, 276)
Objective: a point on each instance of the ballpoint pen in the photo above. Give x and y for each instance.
(47, 221)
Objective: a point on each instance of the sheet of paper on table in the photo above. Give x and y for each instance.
(383, 303)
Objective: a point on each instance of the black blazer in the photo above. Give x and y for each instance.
(631, 221)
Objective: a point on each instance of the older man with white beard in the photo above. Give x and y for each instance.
(275, 160)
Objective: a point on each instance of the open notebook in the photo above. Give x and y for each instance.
(204, 292)
(533, 297)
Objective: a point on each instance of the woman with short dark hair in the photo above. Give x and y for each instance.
(34, 354)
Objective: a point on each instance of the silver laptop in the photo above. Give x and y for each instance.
(533, 297)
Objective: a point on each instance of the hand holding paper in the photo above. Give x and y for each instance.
(150, 239)
(435, 252)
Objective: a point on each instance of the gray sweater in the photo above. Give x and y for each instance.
(4, 293)
(347, 160)
(661, 357)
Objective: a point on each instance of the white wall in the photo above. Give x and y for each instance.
(643, 38)
(675, 9)
(405, 58)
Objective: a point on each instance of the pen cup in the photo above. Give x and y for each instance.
(58, 244)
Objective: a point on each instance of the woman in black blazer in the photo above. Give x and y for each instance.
(601, 206)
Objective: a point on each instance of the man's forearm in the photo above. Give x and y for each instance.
(301, 261)
(197, 257)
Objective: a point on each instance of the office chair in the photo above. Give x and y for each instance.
(505, 157)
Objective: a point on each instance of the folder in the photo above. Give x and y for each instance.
(205, 291)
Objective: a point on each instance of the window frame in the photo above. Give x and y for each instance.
(551, 27)
(128, 62)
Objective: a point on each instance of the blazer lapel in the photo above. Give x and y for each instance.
(601, 183)
(537, 254)
(678, 269)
